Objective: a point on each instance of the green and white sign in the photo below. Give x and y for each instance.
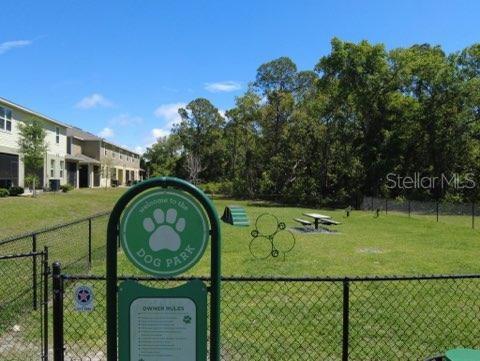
(162, 324)
(164, 232)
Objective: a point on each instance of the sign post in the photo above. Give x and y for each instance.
(163, 225)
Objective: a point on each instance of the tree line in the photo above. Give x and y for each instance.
(335, 133)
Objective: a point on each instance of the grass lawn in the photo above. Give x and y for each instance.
(364, 245)
(47, 209)
(388, 319)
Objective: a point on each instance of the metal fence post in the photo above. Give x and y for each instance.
(437, 211)
(346, 319)
(57, 283)
(473, 215)
(89, 243)
(409, 207)
(34, 270)
(386, 205)
(46, 272)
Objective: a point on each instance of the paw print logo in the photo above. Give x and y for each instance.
(164, 230)
(270, 238)
(187, 319)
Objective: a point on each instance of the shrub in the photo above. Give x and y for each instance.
(29, 182)
(15, 191)
(66, 188)
(224, 188)
(4, 192)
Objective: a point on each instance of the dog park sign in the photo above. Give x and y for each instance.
(163, 225)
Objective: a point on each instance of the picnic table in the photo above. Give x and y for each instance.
(462, 354)
(317, 217)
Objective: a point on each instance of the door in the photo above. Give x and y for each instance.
(72, 174)
(96, 176)
(83, 176)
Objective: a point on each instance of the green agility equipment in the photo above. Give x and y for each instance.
(236, 216)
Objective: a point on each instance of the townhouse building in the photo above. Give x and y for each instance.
(73, 156)
(12, 170)
(95, 162)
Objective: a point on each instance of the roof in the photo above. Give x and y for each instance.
(120, 146)
(82, 158)
(31, 112)
(71, 130)
(81, 134)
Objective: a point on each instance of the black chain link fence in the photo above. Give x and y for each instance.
(23, 306)
(361, 319)
(465, 214)
(77, 244)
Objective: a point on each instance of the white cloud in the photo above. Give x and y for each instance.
(93, 101)
(160, 133)
(139, 149)
(106, 133)
(9, 45)
(169, 113)
(126, 120)
(223, 86)
(152, 138)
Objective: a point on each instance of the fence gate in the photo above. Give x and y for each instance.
(24, 306)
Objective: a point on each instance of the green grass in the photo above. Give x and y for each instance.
(28, 214)
(411, 319)
(364, 245)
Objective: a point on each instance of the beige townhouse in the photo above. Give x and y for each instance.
(96, 162)
(74, 156)
(12, 170)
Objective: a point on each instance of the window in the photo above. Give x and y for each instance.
(105, 150)
(113, 154)
(57, 135)
(5, 119)
(69, 145)
(52, 168)
(62, 166)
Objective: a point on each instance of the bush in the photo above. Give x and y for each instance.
(29, 182)
(4, 192)
(224, 188)
(66, 188)
(15, 191)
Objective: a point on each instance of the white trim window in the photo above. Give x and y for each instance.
(52, 168)
(5, 119)
(57, 135)
(62, 167)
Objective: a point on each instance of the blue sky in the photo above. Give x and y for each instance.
(121, 68)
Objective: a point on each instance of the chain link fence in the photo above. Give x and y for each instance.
(388, 318)
(77, 244)
(465, 214)
(24, 306)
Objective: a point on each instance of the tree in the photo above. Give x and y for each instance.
(32, 148)
(163, 157)
(201, 135)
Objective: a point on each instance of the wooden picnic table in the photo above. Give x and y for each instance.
(317, 217)
(462, 354)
